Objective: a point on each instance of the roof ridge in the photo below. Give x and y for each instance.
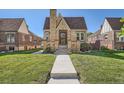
(73, 22)
(112, 17)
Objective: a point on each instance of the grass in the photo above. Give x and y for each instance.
(25, 68)
(100, 67)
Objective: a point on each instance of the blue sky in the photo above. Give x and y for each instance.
(35, 17)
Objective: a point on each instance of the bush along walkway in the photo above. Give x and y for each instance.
(63, 71)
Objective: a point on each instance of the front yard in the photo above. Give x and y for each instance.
(100, 67)
(25, 68)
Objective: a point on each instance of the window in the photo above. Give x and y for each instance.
(47, 36)
(10, 38)
(82, 36)
(35, 42)
(78, 37)
(11, 48)
(106, 36)
(117, 38)
(121, 39)
(23, 38)
(30, 38)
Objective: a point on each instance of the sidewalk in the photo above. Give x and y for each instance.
(38, 52)
(63, 71)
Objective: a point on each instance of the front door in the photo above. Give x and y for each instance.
(63, 38)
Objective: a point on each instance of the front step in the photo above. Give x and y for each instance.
(62, 50)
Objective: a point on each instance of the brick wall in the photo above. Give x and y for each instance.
(22, 41)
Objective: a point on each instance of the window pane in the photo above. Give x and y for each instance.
(12, 38)
(30, 38)
(82, 36)
(78, 36)
(8, 38)
(47, 36)
(121, 38)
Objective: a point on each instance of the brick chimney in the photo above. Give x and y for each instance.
(52, 27)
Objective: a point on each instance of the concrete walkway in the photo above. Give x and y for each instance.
(63, 71)
(38, 52)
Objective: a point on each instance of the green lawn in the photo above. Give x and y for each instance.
(100, 67)
(25, 68)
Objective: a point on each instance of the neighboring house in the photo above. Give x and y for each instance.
(35, 41)
(64, 31)
(94, 40)
(14, 35)
(109, 34)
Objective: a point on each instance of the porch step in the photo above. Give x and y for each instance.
(62, 50)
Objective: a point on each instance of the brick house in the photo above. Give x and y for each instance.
(109, 36)
(94, 40)
(14, 35)
(64, 31)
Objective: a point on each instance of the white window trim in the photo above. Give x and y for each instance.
(80, 36)
(9, 38)
(120, 39)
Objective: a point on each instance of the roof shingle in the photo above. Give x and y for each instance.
(10, 24)
(115, 22)
(73, 23)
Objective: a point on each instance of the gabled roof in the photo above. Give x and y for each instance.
(31, 33)
(114, 22)
(73, 23)
(95, 33)
(10, 24)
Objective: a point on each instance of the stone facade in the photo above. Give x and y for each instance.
(62, 31)
(20, 39)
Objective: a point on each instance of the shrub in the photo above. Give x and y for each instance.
(107, 50)
(104, 48)
(49, 50)
(85, 47)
